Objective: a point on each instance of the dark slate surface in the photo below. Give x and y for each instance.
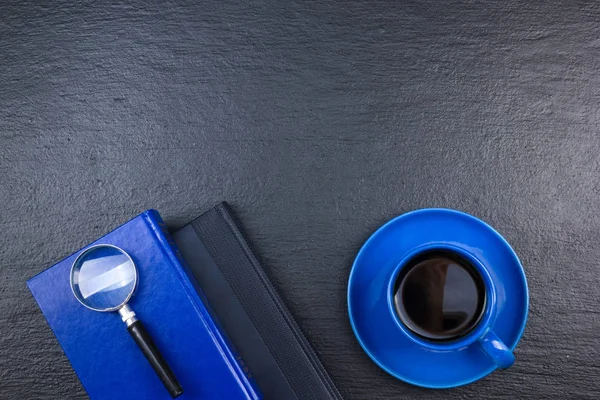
(317, 122)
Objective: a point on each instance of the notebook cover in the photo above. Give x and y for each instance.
(250, 311)
(101, 351)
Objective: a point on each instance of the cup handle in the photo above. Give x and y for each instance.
(497, 350)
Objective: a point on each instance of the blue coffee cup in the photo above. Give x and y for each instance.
(407, 350)
(482, 332)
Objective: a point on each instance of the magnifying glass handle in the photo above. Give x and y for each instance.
(145, 343)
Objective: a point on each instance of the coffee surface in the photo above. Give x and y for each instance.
(439, 296)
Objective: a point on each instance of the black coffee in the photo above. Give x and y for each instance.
(439, 295)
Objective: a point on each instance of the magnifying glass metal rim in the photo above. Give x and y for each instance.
(135, 281)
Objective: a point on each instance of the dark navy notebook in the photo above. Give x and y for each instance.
(101, 351)
(250, 310)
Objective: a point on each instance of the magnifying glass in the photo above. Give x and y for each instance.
(103, 278)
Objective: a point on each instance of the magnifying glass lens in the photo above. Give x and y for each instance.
(103, 278)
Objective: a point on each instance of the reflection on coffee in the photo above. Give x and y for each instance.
(439, 295)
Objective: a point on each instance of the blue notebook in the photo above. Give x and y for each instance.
(104, 355)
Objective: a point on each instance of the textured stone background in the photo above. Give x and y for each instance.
(317, 121)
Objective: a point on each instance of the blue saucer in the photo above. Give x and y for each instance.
(377, 330)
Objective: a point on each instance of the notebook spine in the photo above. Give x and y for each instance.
(194, 292)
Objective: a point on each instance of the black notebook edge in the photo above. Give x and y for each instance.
(209, 229)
